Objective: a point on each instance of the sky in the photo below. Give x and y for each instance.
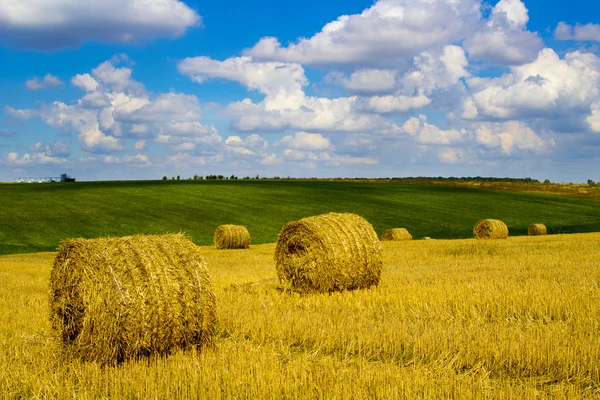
(141, 89)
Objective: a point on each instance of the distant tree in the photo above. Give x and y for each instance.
(165, 178)
(257, 177)
(195, 177)
(172, 178)
(178, 177)
(220, 177)
(591, 182)
(547, 181)
(233, 177)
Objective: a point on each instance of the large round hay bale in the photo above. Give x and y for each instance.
(396, 234)
(232, 237)
(490, 229)
(537, 230)
(328, 252)
(118, 298)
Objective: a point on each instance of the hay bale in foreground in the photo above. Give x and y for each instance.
(232, 237)
(118, 298)
(329, 252)
(537, 230)
(490, 229)
(396, 234)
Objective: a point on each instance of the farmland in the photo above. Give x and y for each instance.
(36, 217)
(514, 318)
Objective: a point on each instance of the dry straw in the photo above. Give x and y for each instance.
(232, 237)
(114, 299)
(396, 234)
(328, 252)
(537, 229)
(490, 229)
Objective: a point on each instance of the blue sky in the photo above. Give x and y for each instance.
(138, 89)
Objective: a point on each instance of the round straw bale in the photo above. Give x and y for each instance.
(232, 237)
(537, 229)
(329, 252)
(118, 298)
(490, 229)
(396, 234)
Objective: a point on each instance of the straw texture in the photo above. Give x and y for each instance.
(490, 229)
(114, 299)
(396, 234)
(329, 252)
(232, 237)
(537, 230)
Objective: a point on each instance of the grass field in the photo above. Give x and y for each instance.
(515, 318)
(36, 217)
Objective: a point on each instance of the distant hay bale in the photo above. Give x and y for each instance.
(490, 229)
(426, 238)
(396, 234)
(537, 230)
(119, 298)
(232, 237)
(329, 252)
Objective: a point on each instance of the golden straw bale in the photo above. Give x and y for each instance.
(329, 252)
(232, 237)
(490, 229)
(118, 298)
(537, 229)
(396, 234)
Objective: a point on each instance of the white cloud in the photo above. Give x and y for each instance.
(281, 82)
(305, 141)
(588, 32)
(40, 158)
(385, 34)
(49, 81)
(594, 118)
(56, 149)
(450, 155)
(175, 108)
(23, 114)
(49, 25)
(140, 145)
(504, 38)
(393, 103)
(365, 80)
(85, 82)
(549, 86)
(140, 159)
(428, 134)
(511, 135)
(435, 69)
(352, 160)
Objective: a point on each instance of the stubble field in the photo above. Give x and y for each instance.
(515, 318)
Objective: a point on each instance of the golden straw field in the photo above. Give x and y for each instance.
(462, 319)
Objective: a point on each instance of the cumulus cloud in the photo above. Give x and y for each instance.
(365, 80)
(393, 103)
(39, 158)
(22, 114)
(305, 141)
(588, 32)
(56, 149)
(511, 135)
(428, 134)
(504, 38)
(115, 107)
(450, 155)
(548, 87)
(281, 82)
(385, 34)
(139, 159)
(50, 25)
(49, 81)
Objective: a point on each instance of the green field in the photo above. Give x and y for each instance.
(36, 217)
